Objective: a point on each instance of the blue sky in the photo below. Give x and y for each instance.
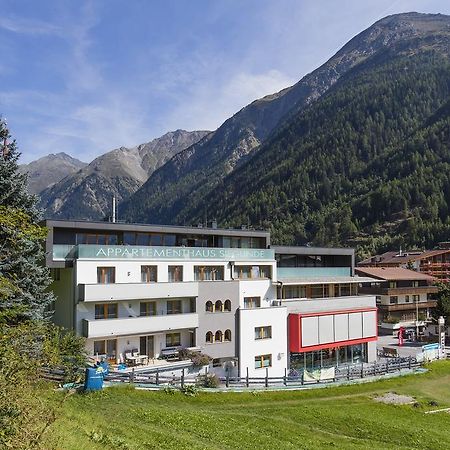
(85, 77)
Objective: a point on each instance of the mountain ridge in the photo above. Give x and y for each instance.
(193, 173)
(87, 193)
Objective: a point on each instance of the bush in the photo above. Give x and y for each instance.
(209, 381)
(197, 358)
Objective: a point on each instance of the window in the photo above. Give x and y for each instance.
(106, 275)
(392, 284)
(106, 311)
(319, 290)
(174, 307)
(415, 283)
(218, 336)
(416, 298)
(218, 306)
(378, 299)
(252, 272)
(227, 336)
(175, 273)
(173, 340)
(407, 298)
(263, 332)
(149, 274)
(393, 299)
(208, 273)
(106, 347)
(96, 239)
(263, 361)
(344, 290)
(209, 337)
(252, 302)
(209, 307)
(294, 291)
(227, 305)
(147, 308)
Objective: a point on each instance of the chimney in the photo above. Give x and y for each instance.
(113, 218)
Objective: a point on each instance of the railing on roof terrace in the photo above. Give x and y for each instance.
(313, 272)
(158, 253)
(64, 251)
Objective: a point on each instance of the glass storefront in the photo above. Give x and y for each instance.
(329, 357)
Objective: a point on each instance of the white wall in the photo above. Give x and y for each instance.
(249, 347)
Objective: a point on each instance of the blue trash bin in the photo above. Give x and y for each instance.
(93, 379)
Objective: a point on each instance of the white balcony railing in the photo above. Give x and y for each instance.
(138, 325)
(136, 291)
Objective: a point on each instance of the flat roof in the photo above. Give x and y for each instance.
(325, 280)
(393, 273)
(121, 226)
(292, 250)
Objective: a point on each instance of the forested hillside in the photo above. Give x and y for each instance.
(363, 163)
(367, 164)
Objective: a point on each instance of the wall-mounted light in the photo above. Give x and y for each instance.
(129, 273)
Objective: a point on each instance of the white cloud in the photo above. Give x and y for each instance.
(28, 26)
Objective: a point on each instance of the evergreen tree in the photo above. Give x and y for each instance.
(23, 278)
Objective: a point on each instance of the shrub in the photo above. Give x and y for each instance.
(209, 381)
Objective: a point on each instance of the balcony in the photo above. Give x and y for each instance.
(316, 272)
(104, 328)
(136, 291)
(408, 290)
(408, 306)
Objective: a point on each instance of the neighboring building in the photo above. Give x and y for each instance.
(404, 297)
(435, 263)
(225, 292)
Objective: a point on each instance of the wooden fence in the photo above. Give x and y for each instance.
(291, 379)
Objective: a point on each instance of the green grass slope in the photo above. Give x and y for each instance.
(344, 418)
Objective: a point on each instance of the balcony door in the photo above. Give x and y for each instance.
(147, 346)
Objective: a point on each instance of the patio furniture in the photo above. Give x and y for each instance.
(169, 353)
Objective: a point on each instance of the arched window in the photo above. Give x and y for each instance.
(218, 336)
(209, 307)
(209, 337)
(227, 305)
(218, 306)
(227, 336)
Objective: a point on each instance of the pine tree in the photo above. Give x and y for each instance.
(23, 278)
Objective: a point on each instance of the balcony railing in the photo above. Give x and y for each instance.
(136, 291)
(104, 328)
(127, 252)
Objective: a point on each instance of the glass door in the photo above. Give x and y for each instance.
(147, 346)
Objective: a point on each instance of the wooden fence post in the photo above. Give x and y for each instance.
(409, 361)
(227, 380)
(182, 378)
(362, 370)
(246, 379)
(285, 377)
(132, 375)
(267, 377)
(157, 377)
(348, 372)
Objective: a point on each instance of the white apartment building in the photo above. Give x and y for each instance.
(224, 292)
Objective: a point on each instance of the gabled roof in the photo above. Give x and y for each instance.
(396, 258)
(392, 274)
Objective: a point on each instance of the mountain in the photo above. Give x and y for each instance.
(87, 193)
(194, 173)
(48, 170)
(368, 163)
(358, 156)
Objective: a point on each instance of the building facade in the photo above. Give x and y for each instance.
(435, 263)
(251, 307)
(404, 297)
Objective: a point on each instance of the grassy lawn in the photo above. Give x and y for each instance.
(343, 417)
